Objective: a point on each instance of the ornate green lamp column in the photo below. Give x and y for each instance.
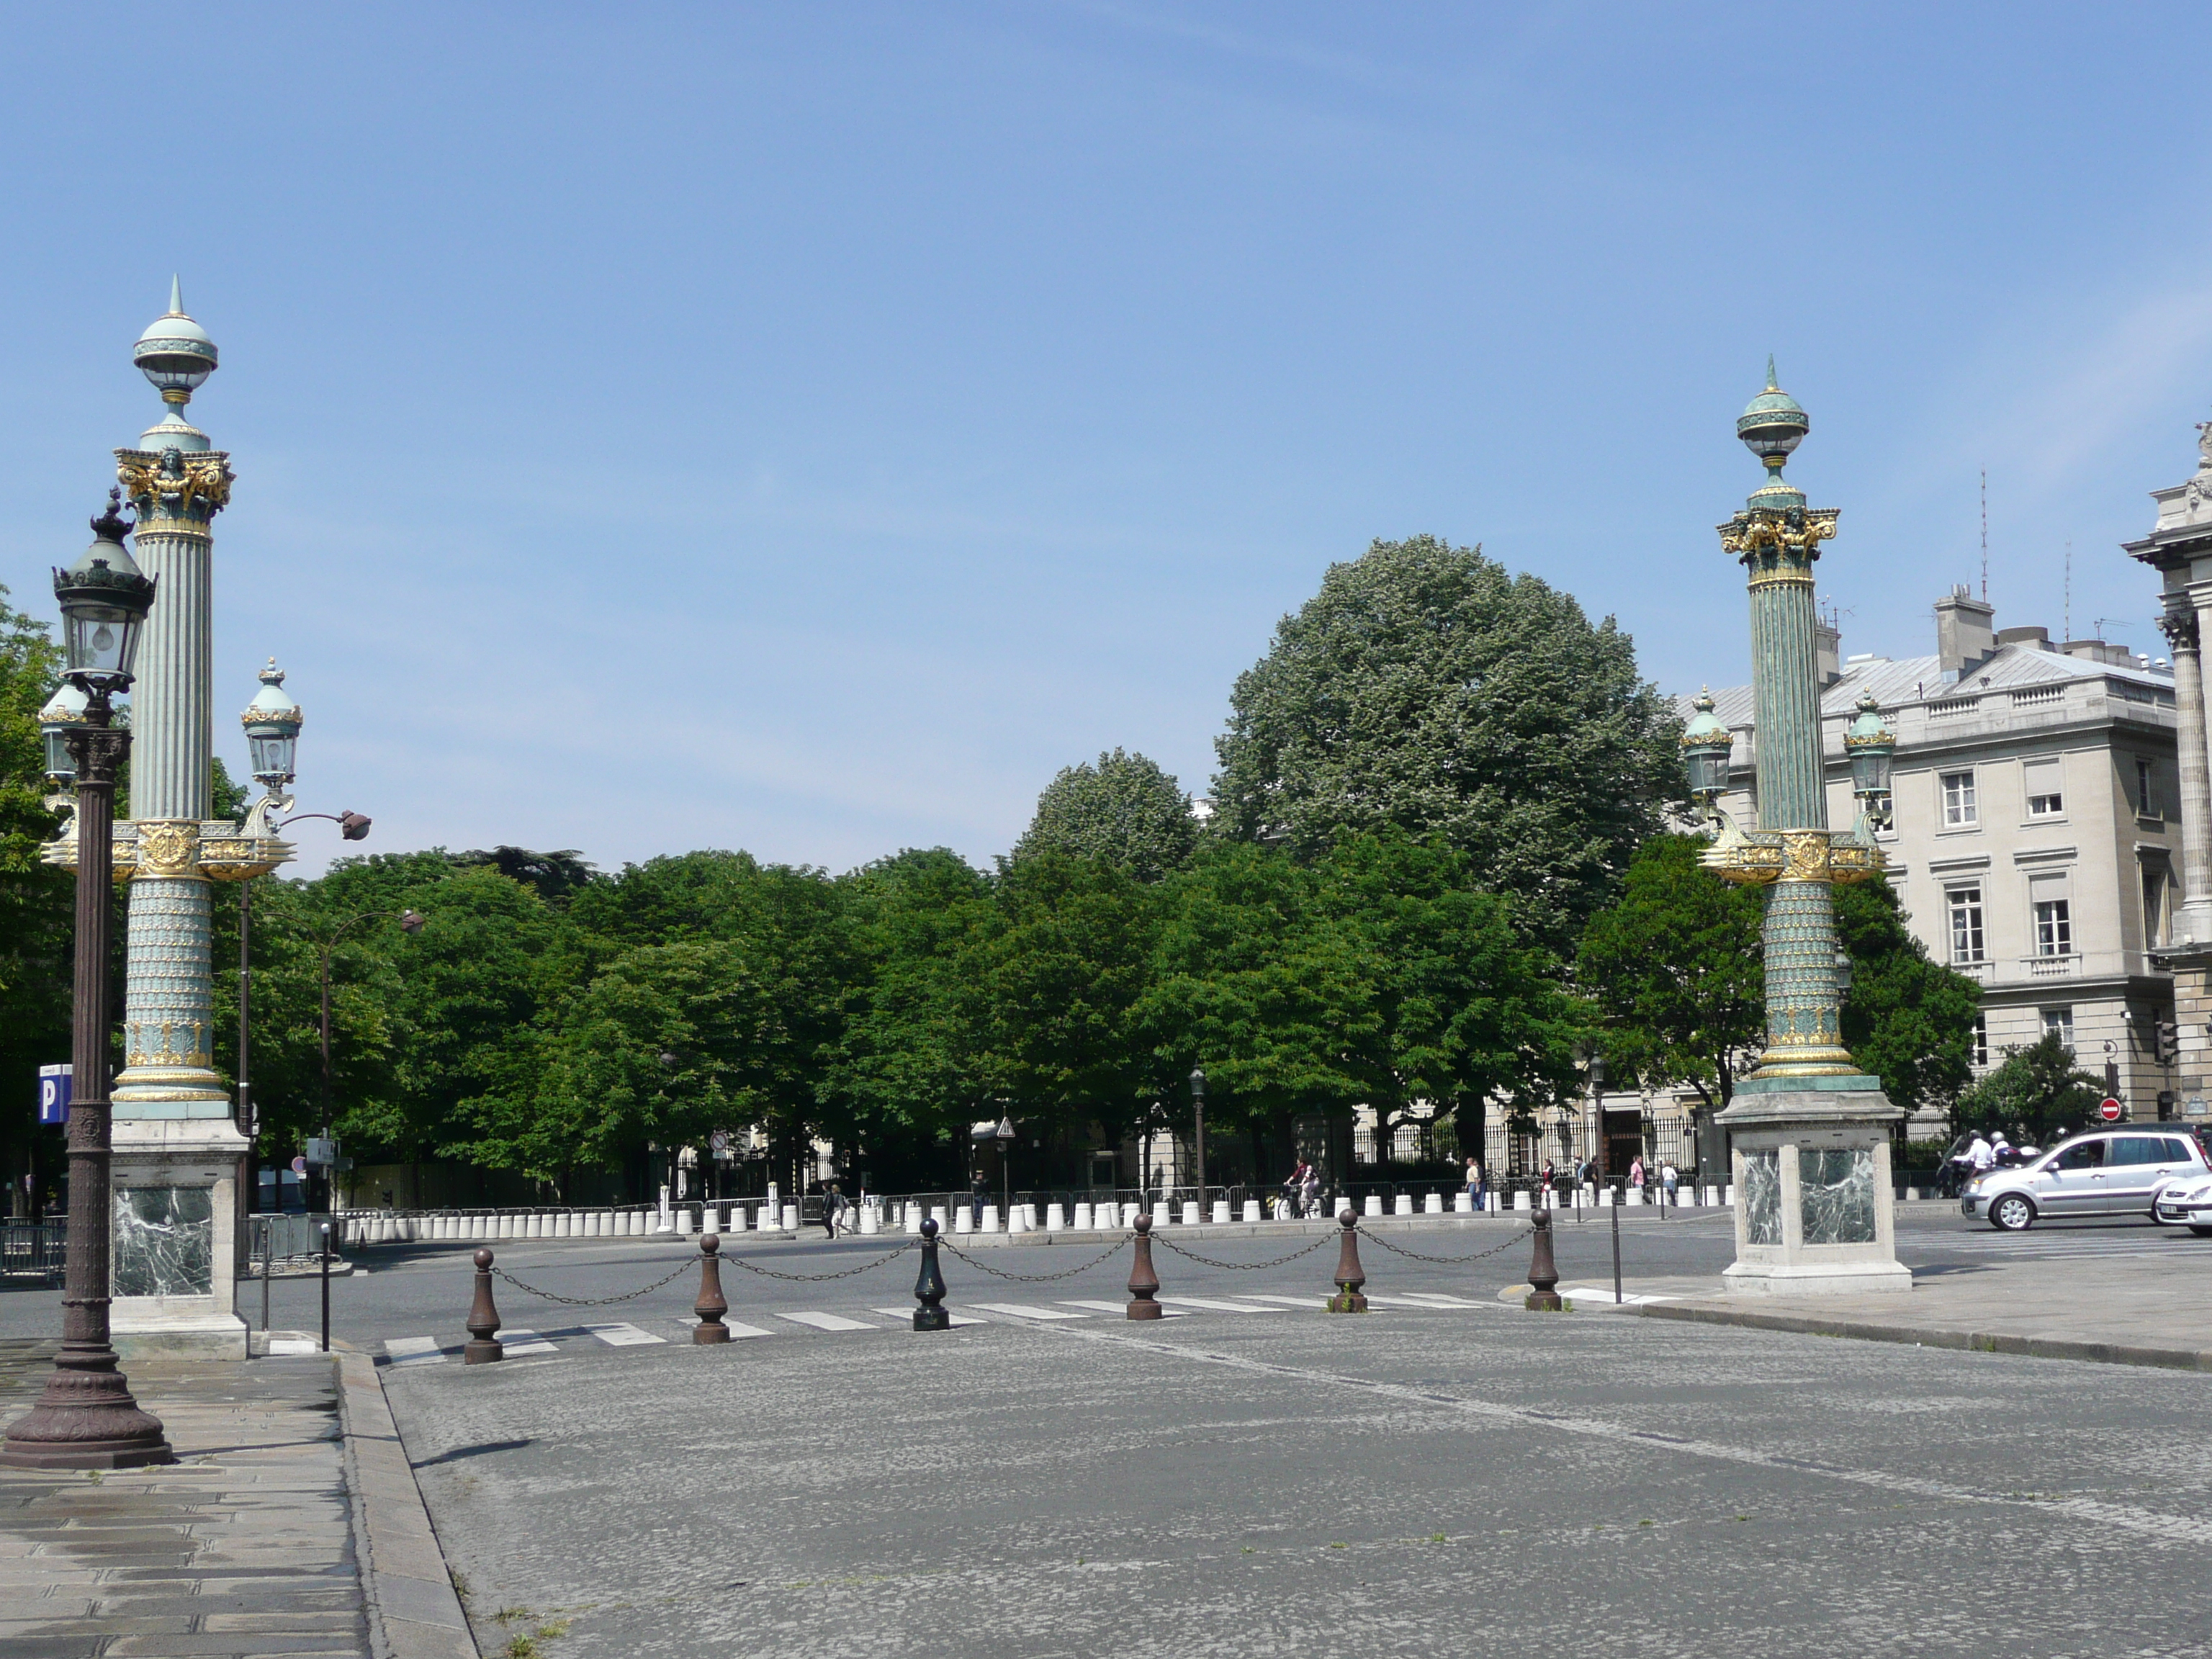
(1809, 1131)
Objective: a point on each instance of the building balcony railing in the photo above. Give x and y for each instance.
(2073, 965)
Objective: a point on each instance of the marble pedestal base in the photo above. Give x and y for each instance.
(1815, 1211)
(173, 1266)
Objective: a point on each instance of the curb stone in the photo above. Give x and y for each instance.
(413, 1611)
(2032, 1348)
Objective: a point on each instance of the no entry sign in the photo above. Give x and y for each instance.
(2109, 1109)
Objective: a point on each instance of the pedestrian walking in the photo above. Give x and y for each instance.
(1474, 1181)
(1668, 1177)
(1308, 1191)
(833, 1209)
(1636, 1172)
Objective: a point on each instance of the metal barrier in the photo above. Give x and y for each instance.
(32, 1250)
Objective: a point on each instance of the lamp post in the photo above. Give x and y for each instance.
(86, 1419)
(1597, 1116)
(1198, 1115)
(1810, 1131)
(1004, 1135)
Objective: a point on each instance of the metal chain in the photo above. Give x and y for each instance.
(1110, 1251)
(819, 1279)
(1447, 1261)
(1242, 1267)
(594, 1301)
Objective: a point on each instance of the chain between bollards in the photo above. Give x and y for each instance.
(483, 1320)
(1350, 1275)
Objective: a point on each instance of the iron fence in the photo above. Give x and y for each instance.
(32, 1250)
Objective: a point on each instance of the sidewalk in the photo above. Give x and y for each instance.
(2123, 1312)
(290, 1524)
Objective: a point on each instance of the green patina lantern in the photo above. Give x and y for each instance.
(1772, 424)
(1871, 745)
(104, 599)
(1706, 747)
(64, 714)
(272, 730)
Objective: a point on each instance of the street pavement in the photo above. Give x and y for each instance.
(1254, 1475)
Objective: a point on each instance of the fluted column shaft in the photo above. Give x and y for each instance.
(2184, 634)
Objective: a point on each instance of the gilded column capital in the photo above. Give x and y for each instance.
(171, 485)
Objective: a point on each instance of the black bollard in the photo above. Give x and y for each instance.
(1543, 1272)
(1144, 1283)
(929, 1286)
(483, 1320)
(326, 1287)
(1350, 1275)
(710, 1307)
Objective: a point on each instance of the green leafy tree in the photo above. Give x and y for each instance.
(1426, 688)
(1675, 967)
(907, 1067)
(2035, 1096)
(36, 928)
(1906, 1018)
(1124, 811)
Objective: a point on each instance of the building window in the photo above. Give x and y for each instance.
(2054, 928)
(2046, 796)
(1981, 1052)
(2153, 897)
(2146, 801)
(2059, 1023)
(1967, 923)
(1958, 811)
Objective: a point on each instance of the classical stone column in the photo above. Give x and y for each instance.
(1809, 1131)
(2192, 918)
(179, 1161)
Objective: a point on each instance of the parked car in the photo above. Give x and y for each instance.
(2120, 1171)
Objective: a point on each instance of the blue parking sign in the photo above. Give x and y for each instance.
(53, 1094)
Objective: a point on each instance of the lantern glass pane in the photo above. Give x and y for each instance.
(1708, 771)
(101, 639)
(59, 762)
(1870, 771)
(272, 753)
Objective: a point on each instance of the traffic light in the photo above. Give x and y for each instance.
(2168, 1036)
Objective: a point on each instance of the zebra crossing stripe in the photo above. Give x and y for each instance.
(622, 1335)
(1119, 1308)
(413, 1351)
(524, 1341)
(829, 1322)
(1211, 1306)
(907, 1314)
(1017, 1310)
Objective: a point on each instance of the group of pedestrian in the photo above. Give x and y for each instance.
(1301, 1190)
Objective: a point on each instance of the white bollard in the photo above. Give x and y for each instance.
(937, 1213)
(1404, 1206)
(1017, 1219)
(990, 1221)
(791, 1217)
(1434, 1204)
(712, 1221)
(1251, 1209)
(1084, 1219)
(1055, 1218)
(1221, 1210)
(872, 1220)
(962, 1219)
(1520, 1200)
(1374, 1203)
(1161, 1215)
(1635, 1195)
(683, 1221)
(1728, 1194)
(1190, 1212)
(1463, 1203)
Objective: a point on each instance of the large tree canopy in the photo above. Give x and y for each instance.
(1124, 811)
(1425, 688)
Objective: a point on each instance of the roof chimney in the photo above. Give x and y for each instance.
(1828, 654)
(1965, 636)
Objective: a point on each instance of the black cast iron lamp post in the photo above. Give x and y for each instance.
(1198, 1113)
(86, 1419)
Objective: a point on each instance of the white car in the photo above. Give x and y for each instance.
(2186, 1204)
(2120, 1171)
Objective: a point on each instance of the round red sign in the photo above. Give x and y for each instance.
(2109, 1109)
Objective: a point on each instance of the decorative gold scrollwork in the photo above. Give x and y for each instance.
(181, 484)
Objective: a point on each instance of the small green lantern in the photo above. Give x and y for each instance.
(272, 731)
(104, 598)
(1706, 747)
(64, 714)
(1871, 745)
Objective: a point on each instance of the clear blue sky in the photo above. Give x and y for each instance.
(807, 428)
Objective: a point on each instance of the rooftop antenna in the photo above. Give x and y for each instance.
(2068, 609)
(1985, 535)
